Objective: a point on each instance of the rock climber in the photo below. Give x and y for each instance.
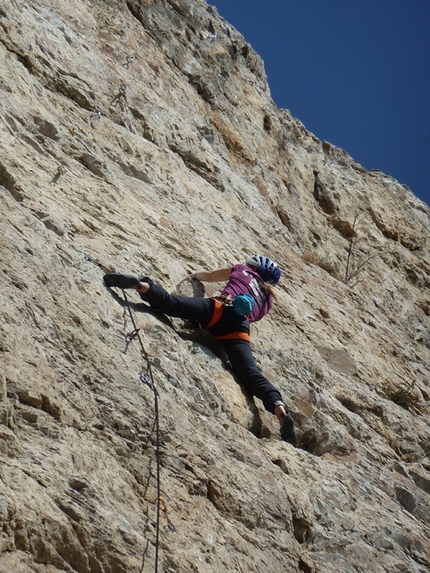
(229, 322)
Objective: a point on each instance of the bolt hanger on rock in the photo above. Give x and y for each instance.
(121, 95)
(128, 62)
(60, 171)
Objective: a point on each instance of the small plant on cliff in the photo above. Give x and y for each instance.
(349, 403)
(321, 261)
(404, 397)
(355, 262)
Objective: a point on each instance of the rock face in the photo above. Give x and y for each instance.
(143, 134)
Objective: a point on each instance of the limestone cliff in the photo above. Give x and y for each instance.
(142, 133)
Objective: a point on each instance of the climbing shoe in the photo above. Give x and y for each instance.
(288, 433)
(120, 281)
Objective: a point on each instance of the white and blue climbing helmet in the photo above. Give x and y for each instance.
(266, 268)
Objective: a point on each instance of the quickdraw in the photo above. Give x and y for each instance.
(164, 509)
(103, 267)
(133, 334)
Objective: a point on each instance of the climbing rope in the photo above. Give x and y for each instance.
(147, 378)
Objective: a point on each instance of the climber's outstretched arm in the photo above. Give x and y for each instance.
(217, 276)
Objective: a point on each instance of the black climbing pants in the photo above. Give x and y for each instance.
(239, 352)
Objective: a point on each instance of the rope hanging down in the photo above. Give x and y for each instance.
(147, 378)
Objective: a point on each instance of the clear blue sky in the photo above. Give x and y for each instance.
(355, 72)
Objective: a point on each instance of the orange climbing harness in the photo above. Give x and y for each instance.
(216, 316)
(218, 310)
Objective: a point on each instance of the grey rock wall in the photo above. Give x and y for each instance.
(143, 134)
